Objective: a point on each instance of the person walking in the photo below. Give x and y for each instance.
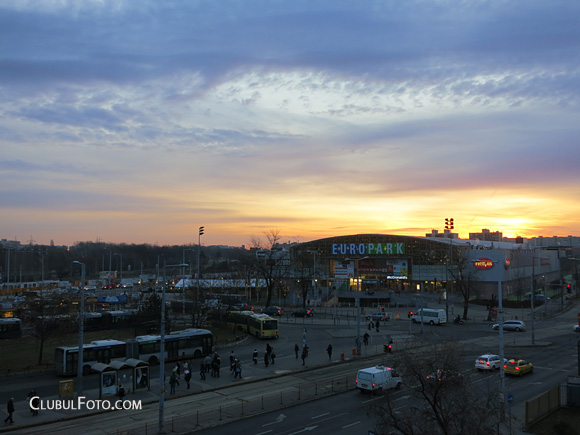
(266, 359)
(329, 351)
(173, 381)
(208, 364)
(232, 361)
(187, 374)
(255, 356)
(377, 325)
(217, 364)
(238, 369)
(10, 409)
(366, 338)
(272, 355)
(304, 355)
(296, 350)
(33, 402)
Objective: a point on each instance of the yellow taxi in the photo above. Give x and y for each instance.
(518, 367)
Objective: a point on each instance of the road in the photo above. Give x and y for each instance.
(554, 356)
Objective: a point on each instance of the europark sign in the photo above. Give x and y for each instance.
(368, 248)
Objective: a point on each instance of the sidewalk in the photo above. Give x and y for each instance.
(202, 393)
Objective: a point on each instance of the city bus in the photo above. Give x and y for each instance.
(10, 327)
(186, 344)
(104, 351)
(259, 325)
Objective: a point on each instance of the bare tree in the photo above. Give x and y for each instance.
(441, 400)
(464, 274)
(269, 262)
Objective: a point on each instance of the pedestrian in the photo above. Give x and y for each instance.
(32, 399)
(202, 371)
(304, 354)
(217, 364)
(232, 360)
(173, 381)
(187, 374)
(255, 356)
(208, 364)
(10, 409)
(329, 351)
(377, 325)
(268, 350)
(296, 350)
(366, 338)
(272, 355)
(176, 370)
(121, 392)
(266, 359)
(238, 369)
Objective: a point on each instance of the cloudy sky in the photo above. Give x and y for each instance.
(138, 121)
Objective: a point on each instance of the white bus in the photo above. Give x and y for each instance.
(66, 357)
(430, 316)
(186, 344)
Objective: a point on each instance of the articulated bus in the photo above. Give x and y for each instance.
(10, 327)
(186, 344)
(259, 325)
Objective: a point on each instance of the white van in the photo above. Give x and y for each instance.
(430, 316)
(377, 378)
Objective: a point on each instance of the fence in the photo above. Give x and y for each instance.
(541, 406)
(214, 414)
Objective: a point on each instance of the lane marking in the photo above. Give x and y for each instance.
(321, 415)
(352, 424)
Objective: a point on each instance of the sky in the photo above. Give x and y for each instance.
(138, 121)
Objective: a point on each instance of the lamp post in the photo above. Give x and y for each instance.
(121, 264)
(314, 287)
(162, 349)
(81, 332)
(200, 233)
(357, 275)
(449, 225)
(184, 280)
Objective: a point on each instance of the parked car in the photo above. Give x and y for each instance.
(518, 367)
(512, 325)
(378, 316)
(541, 298)
(488, 362)
(576, 328)
(303, 313)
(273, 310)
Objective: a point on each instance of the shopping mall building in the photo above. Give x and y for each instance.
(374, 267)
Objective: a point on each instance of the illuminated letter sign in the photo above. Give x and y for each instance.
(368, 249)
(483, 263)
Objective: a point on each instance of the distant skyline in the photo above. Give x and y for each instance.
(139, 121)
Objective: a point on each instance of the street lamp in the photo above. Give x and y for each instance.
(449, 225)
(357, 274)
(121, 264)
(184, 280)
(200, 233)
(81, 332)
(162, 349)
(314, 288)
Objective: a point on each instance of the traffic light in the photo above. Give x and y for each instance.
(201, 230)
(409, 314)
(569, 288)
(383, 309)
(387, 348)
